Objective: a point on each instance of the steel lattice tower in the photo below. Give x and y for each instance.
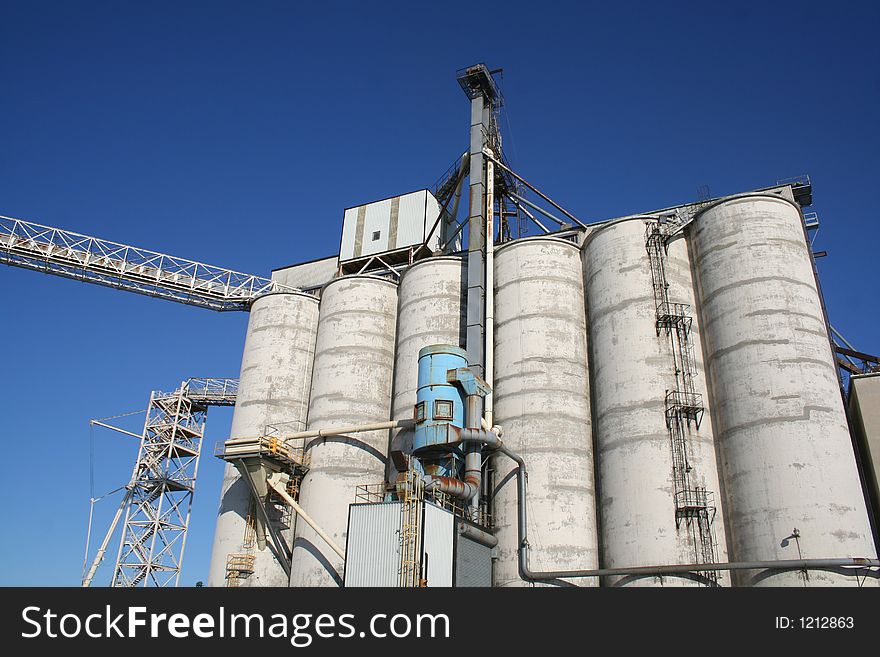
(163, 482)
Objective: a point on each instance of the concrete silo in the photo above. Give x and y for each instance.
(431, 310)
(276, 375)
(653, 482)
(790, 474)
(351, 385)
(541, 399)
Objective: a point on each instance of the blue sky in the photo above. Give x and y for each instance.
(235, 133)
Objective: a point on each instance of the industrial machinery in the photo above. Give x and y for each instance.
(655, 399)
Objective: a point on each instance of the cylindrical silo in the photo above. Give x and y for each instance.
(276, 374)
(541, 397)
(789, 470)
(431, 310)
(351, 384)
(632, 370)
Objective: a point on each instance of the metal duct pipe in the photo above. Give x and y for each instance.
(468, 488)
(478, 535)
(489, 372)
(336, 431)
(862, 564)
(473, 459)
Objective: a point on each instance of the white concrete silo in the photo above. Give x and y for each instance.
(276, 374)
(431, 310)
(541, 399)
(787, 456)
(351, 385)
(632, 369)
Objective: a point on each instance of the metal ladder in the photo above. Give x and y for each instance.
(694, 505)
(409, 572)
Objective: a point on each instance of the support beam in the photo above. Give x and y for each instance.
(279, 488)
(112, 428)
(536, 190)
(281, 550)
(538, 208)
(530, 216)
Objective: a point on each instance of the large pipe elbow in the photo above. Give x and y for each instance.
(464, 489)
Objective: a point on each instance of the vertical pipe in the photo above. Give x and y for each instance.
(490, 289)
(476, 298)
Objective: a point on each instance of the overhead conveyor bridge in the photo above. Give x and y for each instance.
(123, 267)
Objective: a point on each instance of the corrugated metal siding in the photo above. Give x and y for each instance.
(377, 220)
(308, 274)
(349, 225)
(411, 222)
(373, 545)
(438, 541)
(473, 564)
(409, 229)
(432, 210)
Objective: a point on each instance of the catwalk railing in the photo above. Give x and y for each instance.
(94, 260)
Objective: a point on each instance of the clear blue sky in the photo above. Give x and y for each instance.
(235, 133)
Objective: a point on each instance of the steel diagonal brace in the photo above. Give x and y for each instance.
(284, 555)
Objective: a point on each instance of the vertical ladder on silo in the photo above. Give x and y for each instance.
(693, 504)
(240, 565)
(409, 572)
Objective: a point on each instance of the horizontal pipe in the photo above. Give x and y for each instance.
(543, 576)
(784, 564)
(462, 489)
(477, 535)
(332, 431)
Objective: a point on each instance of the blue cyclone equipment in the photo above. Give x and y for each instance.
(440, 405)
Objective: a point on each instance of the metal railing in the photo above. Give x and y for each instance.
(213, 392)
(94, 260)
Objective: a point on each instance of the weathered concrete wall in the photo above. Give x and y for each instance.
(431, 310)
(631, 370)
(276, 374)
(786, 452)
(541, 399)
(351, 384)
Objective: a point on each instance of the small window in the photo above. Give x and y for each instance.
(419, 412)
(442, 410)
(376, 235)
